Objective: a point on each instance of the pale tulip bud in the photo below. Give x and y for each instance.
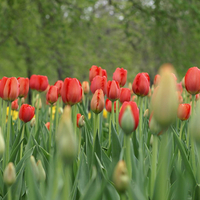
(2, 144)
(33, 122)
(38, 102)
(165, 100)
(34, 167)
(42, 173)
(120, 177)
(9, 175)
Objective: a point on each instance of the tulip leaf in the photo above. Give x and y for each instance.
(184, 156)
(116, 147)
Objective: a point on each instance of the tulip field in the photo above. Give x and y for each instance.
(101, 139)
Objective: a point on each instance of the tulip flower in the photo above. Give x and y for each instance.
(94, 71)
(99, 82)
(113, 90)
(71, 91)
(97, 102)
(109, 106)
(120, 75)
(9, 88)
(59, 85)
(129, 117)
(192, 80)
(86, 87)
(38, 82)
(23, 86)
(26, 112)
(14, 104)
(141, 84)
(125, 95)
(184, 111)
(52, 94)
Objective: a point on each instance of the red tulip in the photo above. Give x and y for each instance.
(113, 90)
(14, 104)
(97, 102)
(98, 82)
(71, 91)
(120, 75)
(39, 82)
(129, 117)
(23, 86)
(86, 87)
(47, 125)
(141, 84)
(192, 80)
(59, 85)
(179, 87)
(156, 80)
(9, 88)
(26, 112)
(109, 106)
(52, 94)
(125, 95)
(95, 71)
(184, 111)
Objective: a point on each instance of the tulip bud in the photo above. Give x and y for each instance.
(33, 122)
(80, 122)
(66, 141)
(97, 102)
(47, 125)
(2, 144)
(120, 75)
(184, 111)
(14, 104)
(9, 175)
(60, 110)
(192, 80)
(129, 117)
(120, 177)
(146, 113)
(26, 112)
(52, 94)
(41, 172)
(59, 85)
(165, 100)
(113, 90)
(99, 82)
(38, 102)
(34, 167)
(125, 95)
(105, 113)
(86, 87)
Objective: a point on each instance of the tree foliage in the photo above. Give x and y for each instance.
(65, 38)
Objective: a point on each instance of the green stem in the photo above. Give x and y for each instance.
(18, 120)
(57, 111)
(122, 196)
(192, 152)
(67, 184)
(95, 128)
(50, 128)
(21, 147)
(9, 193)
(8, 136)
(113, 113)
(0, 110)
(109, 130)
(79, 141)
(33, 97)
(74, 117)
(4, 116)
(117, 116)
(128, 156)
(180, 137)
(154, 163)
(37, 113)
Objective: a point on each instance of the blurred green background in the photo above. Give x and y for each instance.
(64, 38)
